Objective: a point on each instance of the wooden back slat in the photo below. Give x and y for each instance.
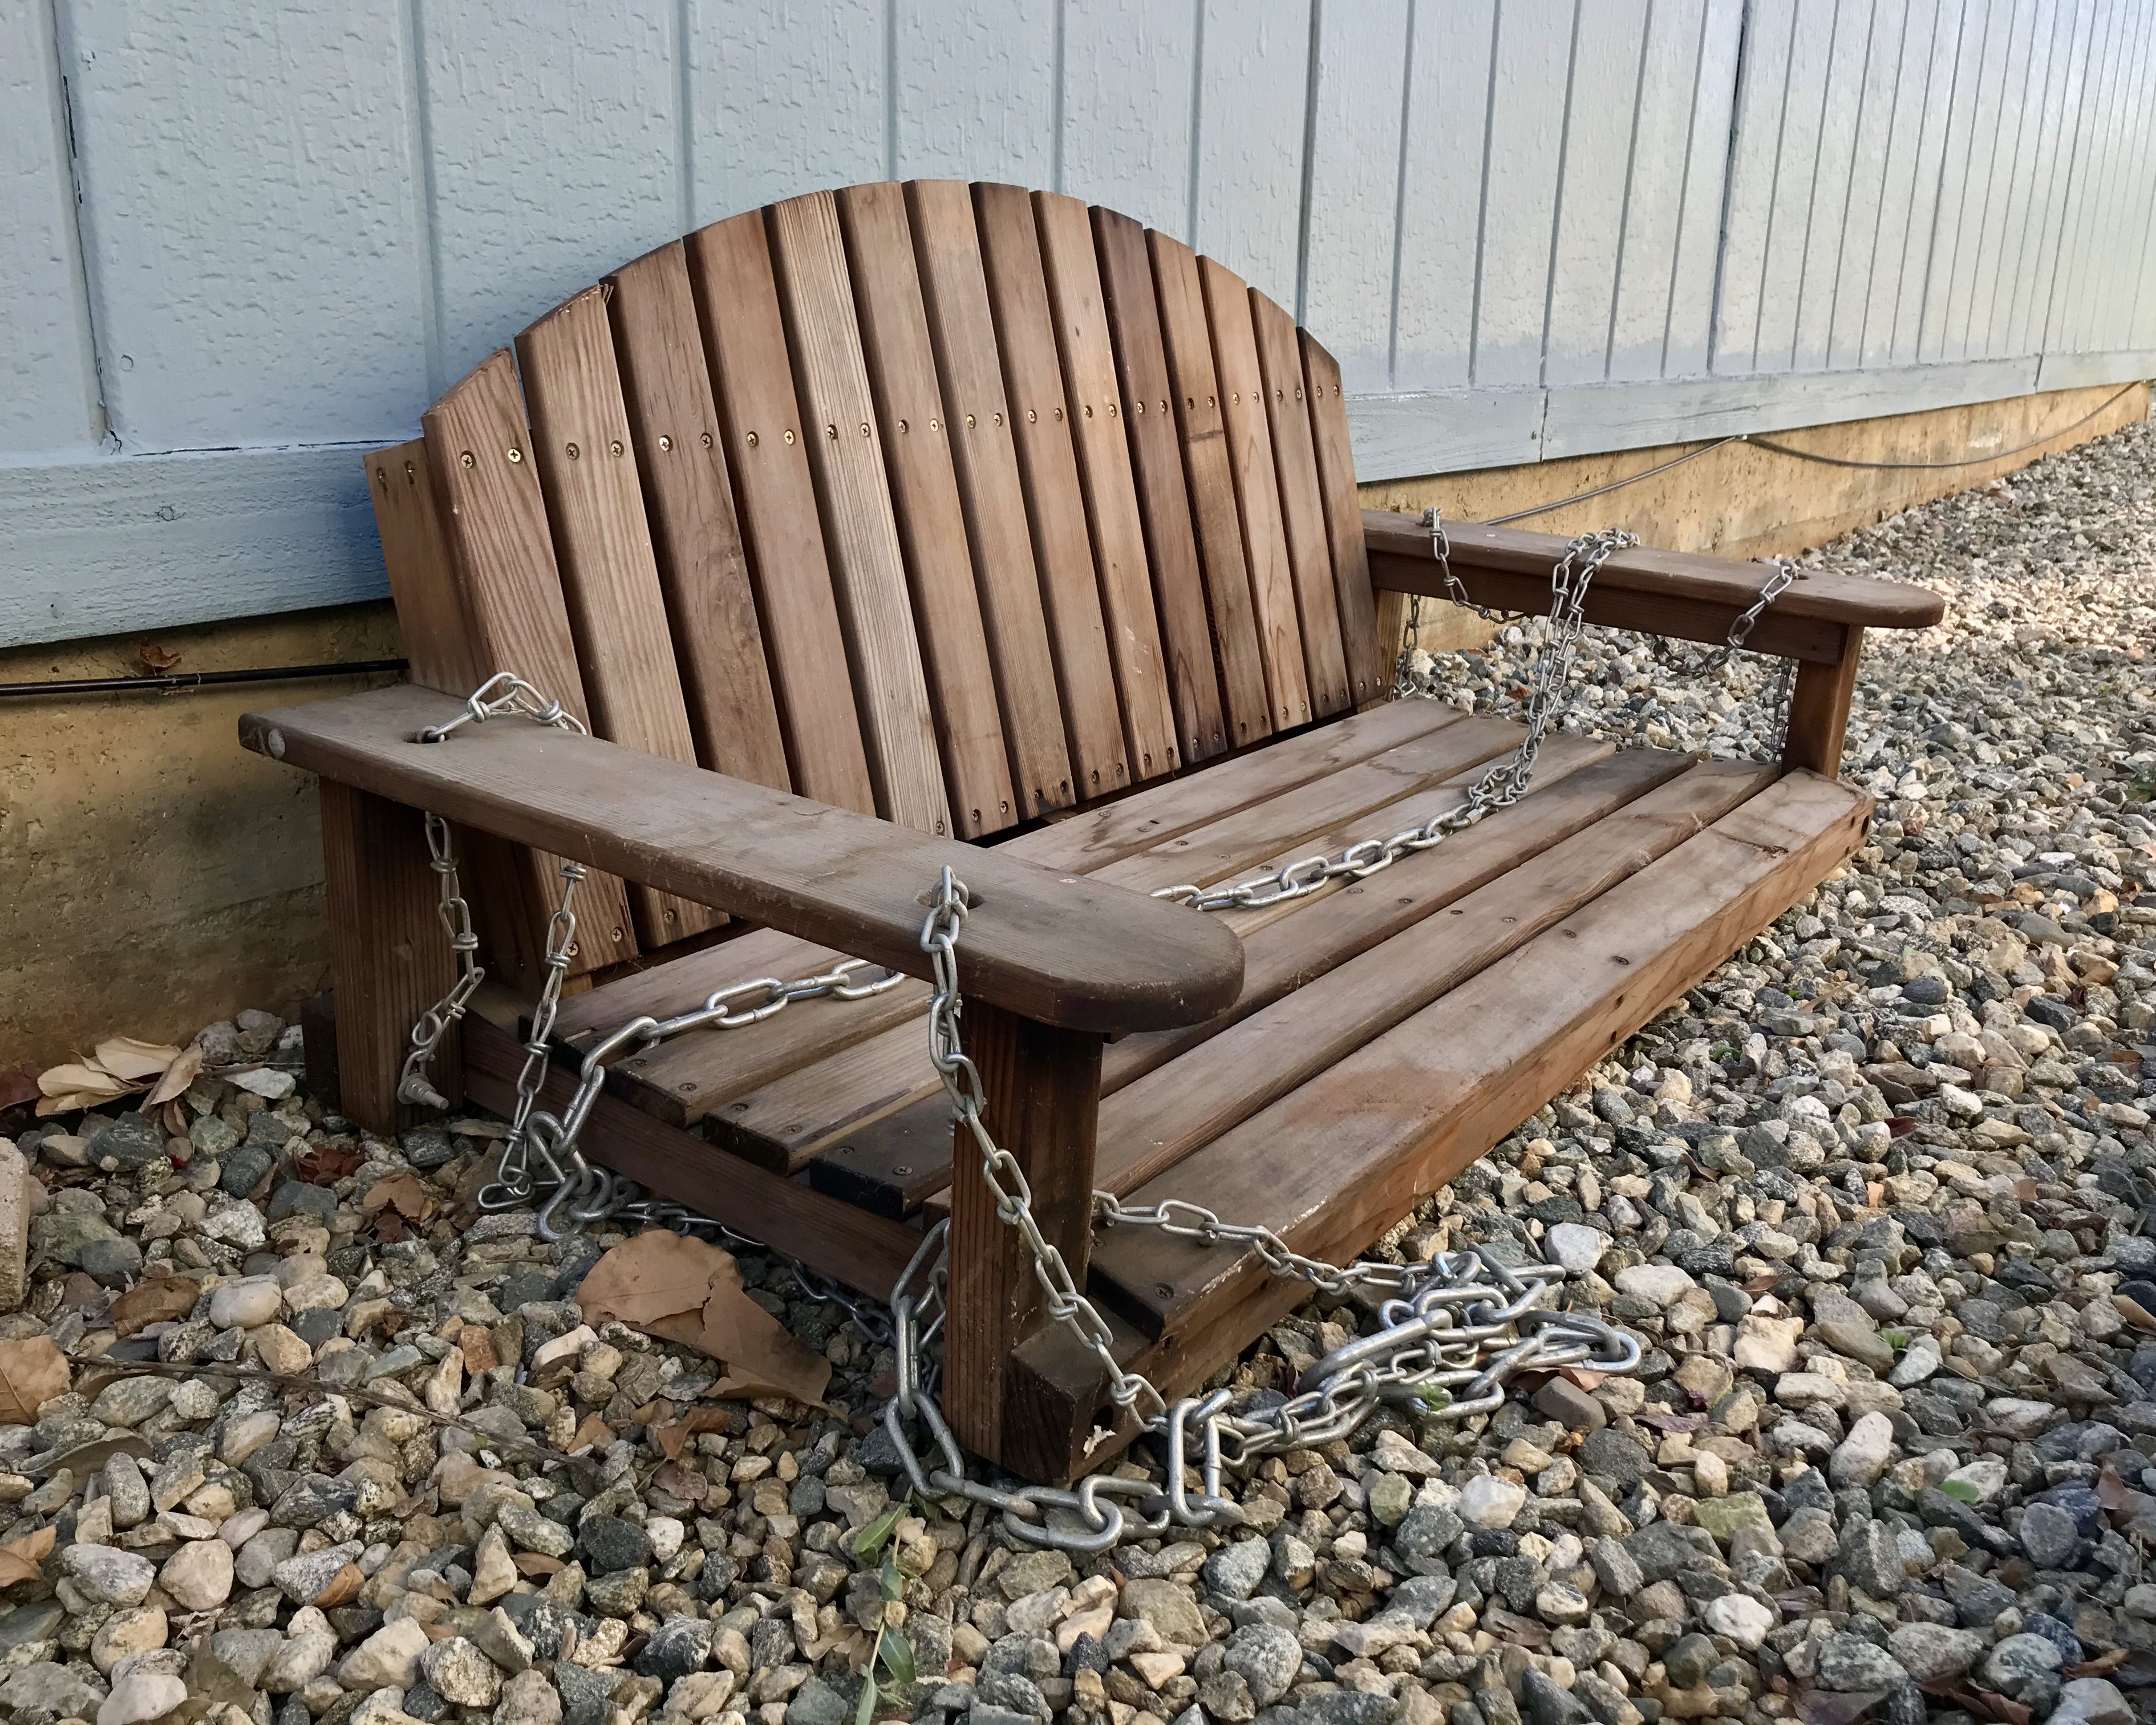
(1163, 501)
(1257, 491)
(1095, 395)
(415, 550)
(931, 523)
(479, 451)
(1212, 489)
(696, 537)
(737, 302)
(1369, 659)
(1062, 548)
(1302, 508)
(603, 547)
(860, 535)
(974, 422)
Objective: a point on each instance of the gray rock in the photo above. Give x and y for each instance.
(1238, 1566)
(609, 1543)
(1662, 1549)
(585, 1694)
(816, 1702)
(1931, 1652)
(2049, 1535)
(1850, 1664)
(107, 1574)
(134, 1141)
(1266, 1657)
(48, 1690)
(460, 1673)
(2092, 1701)
(677, 1647)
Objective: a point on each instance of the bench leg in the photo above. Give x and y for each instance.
(1044, 1096)
(388, 955)
(1819, 711)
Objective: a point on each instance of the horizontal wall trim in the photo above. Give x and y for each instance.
(110, 544)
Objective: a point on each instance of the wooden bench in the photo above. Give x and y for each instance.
(927, 525)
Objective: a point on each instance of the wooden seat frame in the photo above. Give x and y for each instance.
(874, 527)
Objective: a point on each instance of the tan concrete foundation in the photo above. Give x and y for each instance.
(158, 876)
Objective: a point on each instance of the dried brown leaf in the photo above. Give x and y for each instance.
(24, 1559)
(685, 1291)
(154, 1299)
(674, 1437)
(411, 1197)
(325, 1165)
(593, 1433)
(33, 1371)
(136, 1060)
(177, 1076)
(156, 658)
(79, 1083)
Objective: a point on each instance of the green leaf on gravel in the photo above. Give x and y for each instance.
(898, 1658)
(1958, 1488)
(870, 1540)
(866, 1711)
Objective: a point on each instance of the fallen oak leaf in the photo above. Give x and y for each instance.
(138, 1061)
(325, 1165)
(177, 1076)
(154, 1299)
(405, 1194)
(673, 1437)
(24, 1559)
(79, 1083)
(154, 656)
(33, 1371)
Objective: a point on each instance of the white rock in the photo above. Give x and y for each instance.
(1985, 1476)
(245, 1304)
(140, 1697)
(1487, 1501)
(1767, 1344)
(198, 1575)
(387, 1659)
(1864, 1454)
(666, 1535)
(1740, 1617)
(1578, 1247)
(271, 1083)
(1664, 1284)
(2086, 1701)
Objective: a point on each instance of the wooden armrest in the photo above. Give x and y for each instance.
(1078, 954)
(1669, 592)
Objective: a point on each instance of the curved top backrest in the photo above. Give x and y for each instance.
(956, 504)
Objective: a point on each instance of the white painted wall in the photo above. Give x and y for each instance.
(246, 239)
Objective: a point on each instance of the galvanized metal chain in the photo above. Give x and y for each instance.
(1500, 785)
(504, 693)
(413, 1083)
(1781, 576)
(1457, 1328)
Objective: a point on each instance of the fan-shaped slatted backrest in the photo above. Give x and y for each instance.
(956, 504)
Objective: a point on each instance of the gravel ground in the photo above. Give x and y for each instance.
(1873, 1195)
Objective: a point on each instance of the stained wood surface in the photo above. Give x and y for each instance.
(1042, 1087)
(859, 533)
(696, 535)
(1062, 550)
(415, 550)
(1302, 505)
(1369, 655)
(1038, 694)
(835, 1239)
(1163, 501)
(931, 523)
(1249, 452)
(487, 489)
(1211, 484)
(737, 300)
(1061, 950)
(1819, 709)
(1402, 1115)
(387, 953)
(588, 469)
(1823, 594)
(1094, 397)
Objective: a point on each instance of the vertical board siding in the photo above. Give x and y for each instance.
(782, 99)
(48, 376)
(554, 141)
(1355, 184)
(1253, 91)
(1520, 225)
(973, 90)
(252, 222)
(1125, 133)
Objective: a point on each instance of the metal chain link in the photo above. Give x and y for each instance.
(413, 1083)
(1500, 785)
(1456, 1328)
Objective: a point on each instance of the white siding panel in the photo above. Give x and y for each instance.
(2043, 81)
(1658, 157)
(1817, 33)
(1755, 149)
(1872, 136)
(1906, 330)
(1529, 89)
(1126, 88)
(556, 154)
(1689, 339)
(1253, 98)
(1355, 186)
(783, 99)
(1832, 174)
(974, 90)
(1441, 193)
(1975, 254)
(1610, 68)
(48, 375)
(252, 221)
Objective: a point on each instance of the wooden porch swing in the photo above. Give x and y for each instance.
(927, 524)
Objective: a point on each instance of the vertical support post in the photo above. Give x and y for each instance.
(1819, 709)
(1043, 1087)
(388, 956)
